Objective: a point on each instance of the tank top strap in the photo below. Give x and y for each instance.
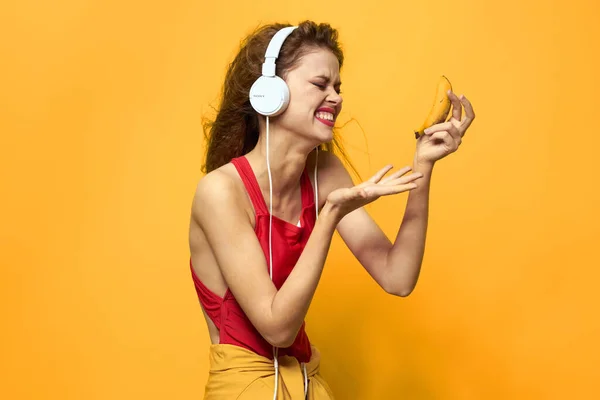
(249, 179)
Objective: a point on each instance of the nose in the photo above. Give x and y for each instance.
(335, 98)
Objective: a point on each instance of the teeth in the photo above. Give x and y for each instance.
(325, 115)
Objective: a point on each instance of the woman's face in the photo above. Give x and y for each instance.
(315, 100)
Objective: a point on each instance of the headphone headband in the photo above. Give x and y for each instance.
(268, 67)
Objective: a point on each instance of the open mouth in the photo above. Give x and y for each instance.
(326, 118)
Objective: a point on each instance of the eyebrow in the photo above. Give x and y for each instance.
(339, 83)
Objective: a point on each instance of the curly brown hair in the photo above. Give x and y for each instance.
(234, 131)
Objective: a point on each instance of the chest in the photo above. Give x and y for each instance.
(287, 242)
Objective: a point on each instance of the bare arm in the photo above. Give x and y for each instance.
(394, 266)
(402, 262)
(277, 315)
(405, 258)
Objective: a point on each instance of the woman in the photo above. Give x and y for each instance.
(264, 215)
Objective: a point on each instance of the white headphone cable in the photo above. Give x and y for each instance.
(275, 350)
(316, 185)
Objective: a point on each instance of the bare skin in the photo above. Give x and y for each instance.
(204, 261)
(225, 251)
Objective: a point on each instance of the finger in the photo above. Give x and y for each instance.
(449, 141)
(455, 133)
(379, 190)
(469, 113)
(377, 177)
(448, 127)
(396, 175)
(444, 126)
(456, 105)
(405, 179)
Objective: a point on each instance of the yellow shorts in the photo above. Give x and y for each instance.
(238, 373)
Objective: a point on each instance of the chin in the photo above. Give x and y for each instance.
(319, 136)
(326, 136)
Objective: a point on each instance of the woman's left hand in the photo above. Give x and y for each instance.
(444, 138)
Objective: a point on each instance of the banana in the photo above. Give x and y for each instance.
(440, 108)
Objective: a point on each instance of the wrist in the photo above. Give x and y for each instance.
(425, 167)
(331, 212)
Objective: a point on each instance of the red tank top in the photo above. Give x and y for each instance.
(288, 241)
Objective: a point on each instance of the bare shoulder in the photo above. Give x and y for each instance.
(218, 183)
(219, 195)
(219, 189)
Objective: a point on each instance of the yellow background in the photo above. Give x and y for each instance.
(100, 152)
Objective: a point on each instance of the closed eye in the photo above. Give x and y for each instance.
(322, 87)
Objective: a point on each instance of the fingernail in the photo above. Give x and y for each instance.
(426, 131)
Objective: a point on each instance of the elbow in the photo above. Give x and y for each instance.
(281, 338)
(403, 293)
(401, 290)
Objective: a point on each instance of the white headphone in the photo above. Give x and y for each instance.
(270, 95)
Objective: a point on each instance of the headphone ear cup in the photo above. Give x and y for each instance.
(269, 95)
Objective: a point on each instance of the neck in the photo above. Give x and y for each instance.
(287, 160)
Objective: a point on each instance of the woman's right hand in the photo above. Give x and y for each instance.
(346, 200)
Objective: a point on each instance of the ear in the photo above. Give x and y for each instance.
(269, 95)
